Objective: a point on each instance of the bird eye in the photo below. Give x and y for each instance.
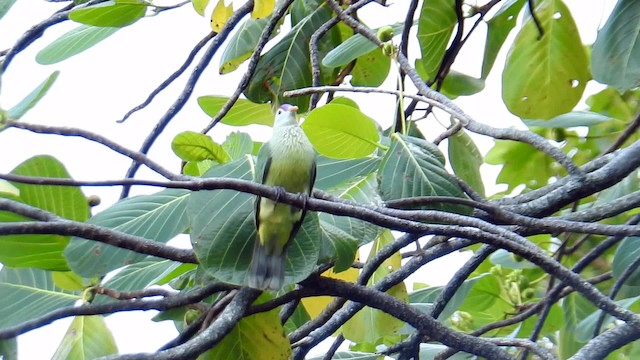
(279, 111)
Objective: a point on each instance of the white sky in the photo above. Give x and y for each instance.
(100, 85)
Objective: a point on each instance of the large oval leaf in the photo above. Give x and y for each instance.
(193, 146)
(413, 167)
(242, 113)
(286, 65)
(341, 131)
(116, 13)
(223, 230)
(626, 254)
(466, 159)
(258, 336)
(88, 337)
(545, 77)
(73, 43)
(159, 217)
(343, 235)
(26, 294)
(371, 69)
(32, 99)
(242, 44)
(332, 172)
(42, 251)
(498, 28)
(370, 325)
(353, 48)
(437, 20)
(615, 58)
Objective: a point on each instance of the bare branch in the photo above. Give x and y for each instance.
(139, 157)
(166, 303)
(188, 89)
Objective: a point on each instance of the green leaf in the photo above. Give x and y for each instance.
(627, 252)
(197, 168)
(66, 201)
(575, 308)
(570, 119)
(73, 42)
(498, 28)
(139, 276)
(429, 351)
(68, 280)
(430, 295)
(341, 132)
(610, 102)
(34, 250)
(485, 302)
(32, 99)
(87, 338)
(242, 44)
(353, 48)
(615, 57)
(118, 13)
(5, 5)
(373, 326)
(237, 145)
(193, 146)
(258, 336)
(286, 66)
(332, 172)
(507, 260)
(586, 327)
(545, 77)
(466, 159)
(458, 84)
(371, 69)
(522, 164)
(159, 217)
(199, 6)
(8, 190)
(9, 349)
(413, 167)
(27, 294)
(242, 113)
(343, 235)
(223, 230)
(435, 25)
(297, 319)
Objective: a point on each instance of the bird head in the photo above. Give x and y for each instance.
(286, 115)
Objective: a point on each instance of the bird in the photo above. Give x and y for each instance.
(288, 162)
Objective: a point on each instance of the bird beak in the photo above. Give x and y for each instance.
(293, 109)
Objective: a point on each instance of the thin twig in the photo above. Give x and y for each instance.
(188, 89)
(171, 77)
(277, 14)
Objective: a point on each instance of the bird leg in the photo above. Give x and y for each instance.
(280, 191)
(304, 198)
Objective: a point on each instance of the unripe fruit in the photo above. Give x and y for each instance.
(385, 33)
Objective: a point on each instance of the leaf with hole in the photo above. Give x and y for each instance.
(545, 76)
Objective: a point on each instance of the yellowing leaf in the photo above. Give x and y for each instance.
(372, 326)
(262, 8)
(199, 6)
(221, 13)
(259, 336)
(315, 305)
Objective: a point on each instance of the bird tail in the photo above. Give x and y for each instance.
(267, 269)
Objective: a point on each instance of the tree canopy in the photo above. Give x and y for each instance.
(554, 267)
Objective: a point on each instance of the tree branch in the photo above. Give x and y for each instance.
(188, 89)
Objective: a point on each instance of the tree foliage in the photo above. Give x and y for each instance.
(554, 257)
